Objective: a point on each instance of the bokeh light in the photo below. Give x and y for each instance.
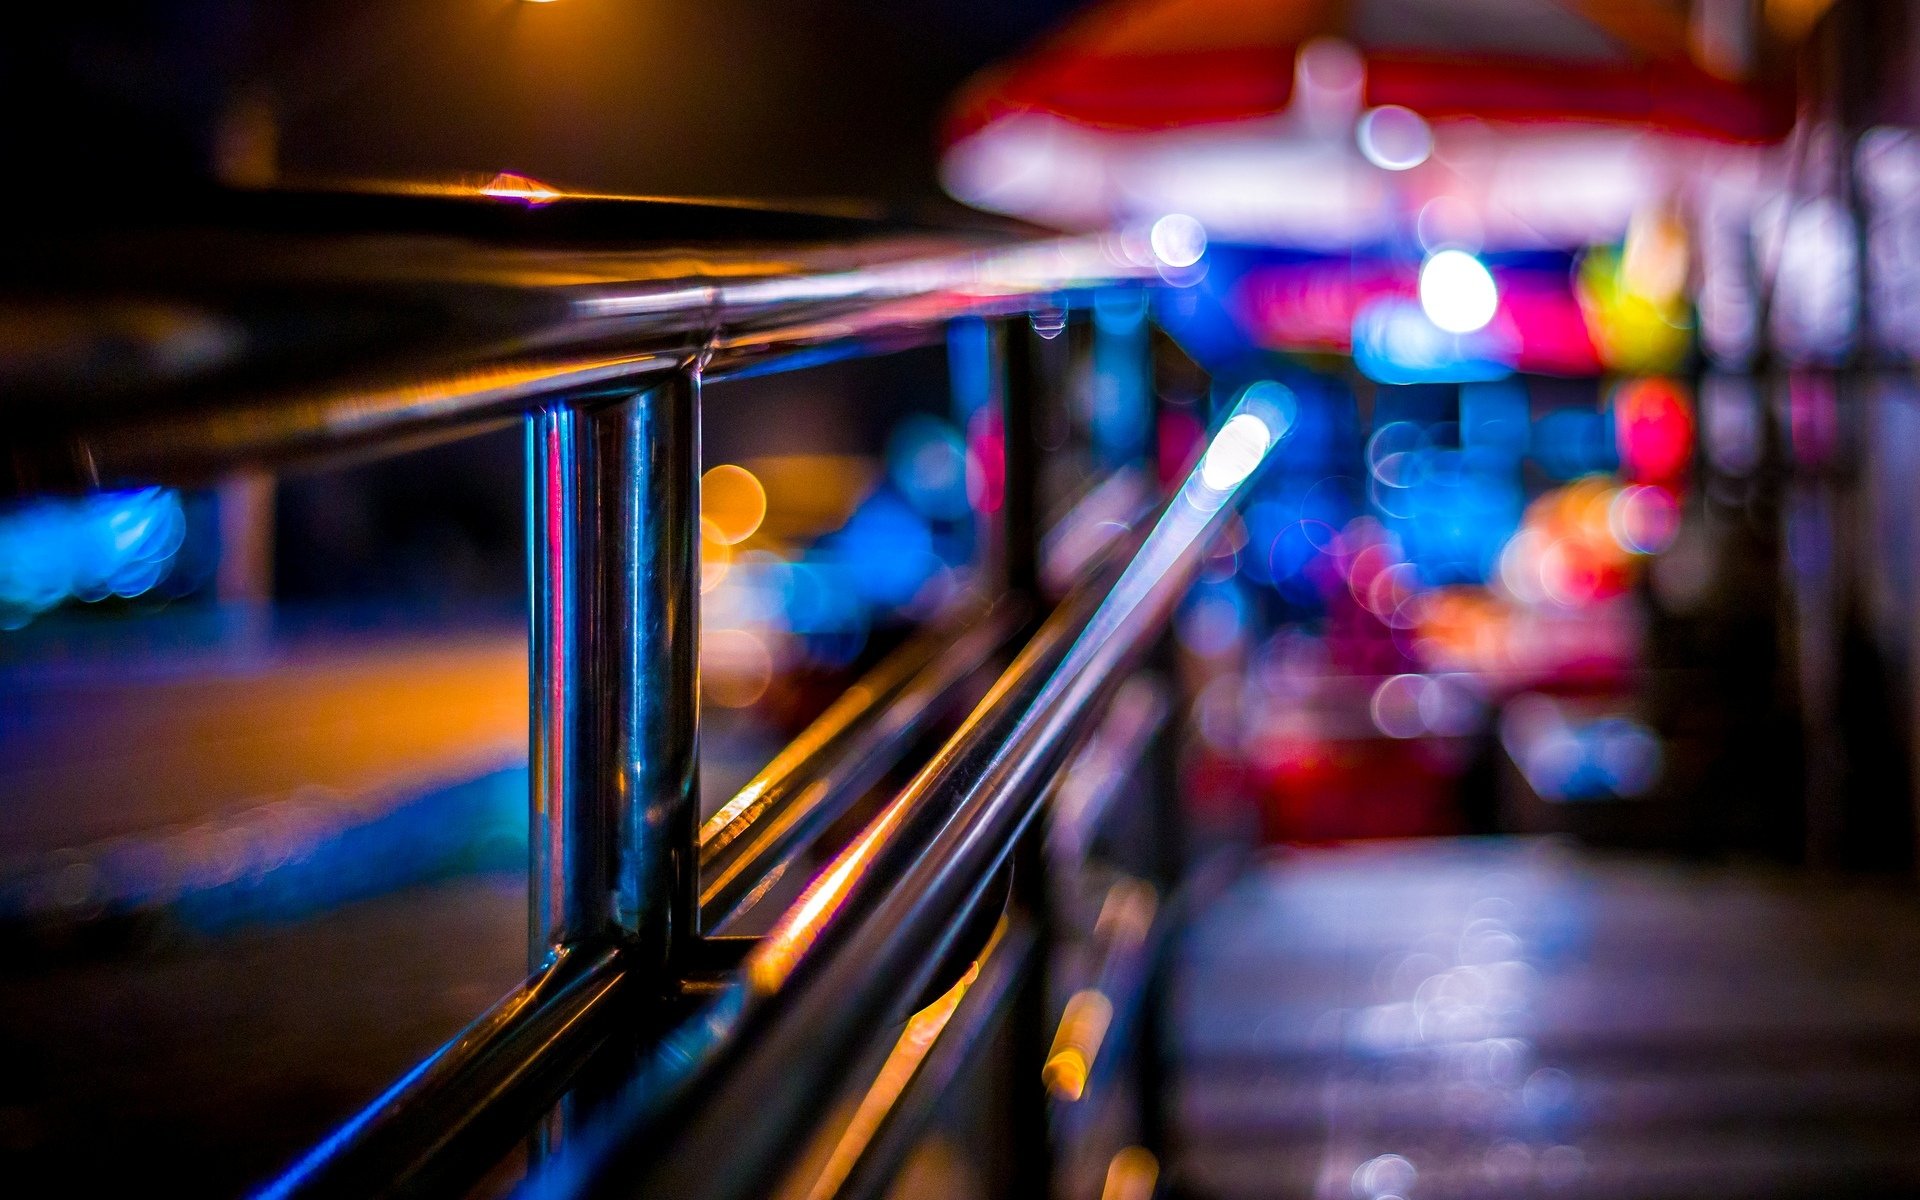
(1457, 292)
(111, 544)
(1178, 240)
(716, 555)
(927, 461)
(1393, 138)
(732, 504)
(736, 667)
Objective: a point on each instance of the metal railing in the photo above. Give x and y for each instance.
(651, 1051)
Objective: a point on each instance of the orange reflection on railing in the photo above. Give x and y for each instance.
(508, 186)
(781, 950)
(923, 1030)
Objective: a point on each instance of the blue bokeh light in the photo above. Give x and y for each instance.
(110, 544)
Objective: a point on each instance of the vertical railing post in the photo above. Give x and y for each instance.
(613, 522)
(1024, 389)
(1162, 360)
(558, 900)
(1023, 392)
(1155, 1084)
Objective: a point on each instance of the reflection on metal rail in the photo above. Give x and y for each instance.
(433, 314)
(871, 932)
(743, 846)
(791, 1064)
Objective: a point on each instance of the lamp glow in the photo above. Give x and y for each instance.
(1178, 240)
(1457, 292)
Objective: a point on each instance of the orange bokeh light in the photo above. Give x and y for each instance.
(732, 503)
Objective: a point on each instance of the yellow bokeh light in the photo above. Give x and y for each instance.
(716, 556)
(1083, 1026)
(1065, 1074)
(732, 503)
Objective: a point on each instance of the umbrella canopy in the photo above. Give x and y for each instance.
(1322, 122)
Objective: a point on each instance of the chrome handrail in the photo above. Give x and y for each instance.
(841, 754)
(568, 314)
(871, 931)
(505, 302)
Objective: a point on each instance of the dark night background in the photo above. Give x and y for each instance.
(806, 99)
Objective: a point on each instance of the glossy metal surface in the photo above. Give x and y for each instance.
(841, 754)
(649, 693)
(614, 514)
(869, 933)
(432, 313)
(573, 461)
(382, 414)
(475, 1092)
(613, 511)
(921, 1071)
(556, 902)
(436, 1127)
(710, 1044)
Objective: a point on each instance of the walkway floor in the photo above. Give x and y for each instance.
(1495, 1019)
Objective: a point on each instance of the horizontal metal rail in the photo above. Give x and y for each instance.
(744, 848)
(872, 931)
(513, 1062)
(477, 1092)
(432, 313)
(456, 313)
(937, 1047)
(846, 750)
